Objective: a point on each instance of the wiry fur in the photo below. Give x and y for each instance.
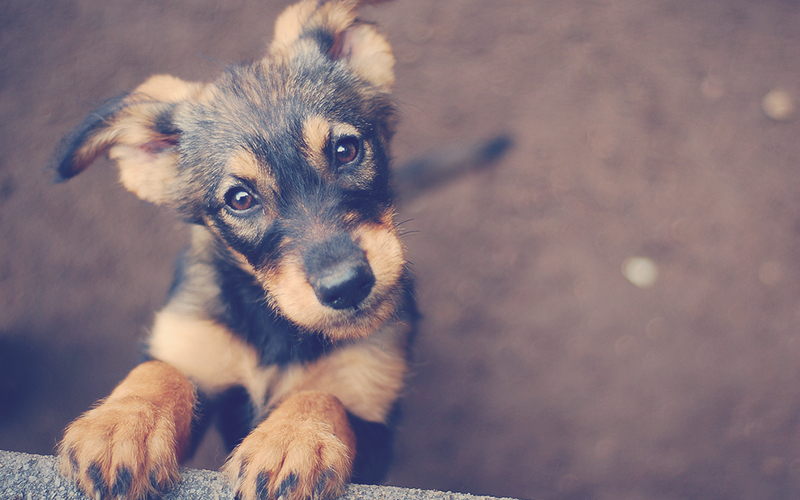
(290, 312)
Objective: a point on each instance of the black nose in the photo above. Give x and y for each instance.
(339, 273)
(344, 285)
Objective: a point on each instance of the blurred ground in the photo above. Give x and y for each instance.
(541, 371)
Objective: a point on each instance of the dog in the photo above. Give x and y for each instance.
(288, 321)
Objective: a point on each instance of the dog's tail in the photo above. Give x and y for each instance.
(448, 163)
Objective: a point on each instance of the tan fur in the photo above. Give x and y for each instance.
(293, 294)
(289, 24)
(146, 175)
(343, 129)
(370, 56)
(291, 291)
(142, 427)
(309, 14)
(167, 88)
(307, 437)
(316, 133)
(385, 254)
(244, 165)
(149, 175)
(207, 353)
(366, 377)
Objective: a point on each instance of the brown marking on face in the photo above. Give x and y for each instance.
(293, 295)
(291, 292)
(316, 137)
(343, 130)
(244, 165)
(385, 253)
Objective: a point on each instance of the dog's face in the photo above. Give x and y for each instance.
(285, 161)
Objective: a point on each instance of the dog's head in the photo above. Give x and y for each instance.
(284, 160)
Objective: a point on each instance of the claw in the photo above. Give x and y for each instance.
(287, 485)
(99, 483)
(123, 482)
(323, 482)
(262, 486)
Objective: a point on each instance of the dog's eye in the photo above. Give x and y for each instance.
(239, 199)
(346, 150)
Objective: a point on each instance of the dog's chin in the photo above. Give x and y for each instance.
(340, 324)
(361, 321)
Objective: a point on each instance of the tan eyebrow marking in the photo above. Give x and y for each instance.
(316, 135)
(343, 129)
(244, 165)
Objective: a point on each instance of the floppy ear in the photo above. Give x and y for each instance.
(334, 26)
(137, 131)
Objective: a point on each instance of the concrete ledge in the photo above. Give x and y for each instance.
(28, 477)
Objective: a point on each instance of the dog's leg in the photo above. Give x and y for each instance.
(303, 450)
(129, 446)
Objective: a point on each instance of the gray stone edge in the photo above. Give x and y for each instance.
(32, 477)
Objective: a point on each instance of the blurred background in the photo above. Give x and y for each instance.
(612, 311)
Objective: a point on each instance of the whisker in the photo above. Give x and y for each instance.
(398, 224)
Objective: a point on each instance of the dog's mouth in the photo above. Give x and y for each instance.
(344, 287)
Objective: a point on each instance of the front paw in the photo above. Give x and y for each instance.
(304, 450)
(124, 448)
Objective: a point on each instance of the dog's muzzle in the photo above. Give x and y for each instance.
(339, 272)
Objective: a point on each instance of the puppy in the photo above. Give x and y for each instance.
(288, 320)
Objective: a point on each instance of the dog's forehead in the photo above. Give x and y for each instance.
(272, 109)
(271, 98)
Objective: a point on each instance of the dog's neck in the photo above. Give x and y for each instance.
(245, 310)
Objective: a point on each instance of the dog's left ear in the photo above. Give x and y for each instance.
(334, 27)
(138, 132)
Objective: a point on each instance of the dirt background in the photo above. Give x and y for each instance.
(541, 371)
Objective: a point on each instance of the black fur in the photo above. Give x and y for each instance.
(374, 447)
(231, 412)
(245, 311)
(63, 162)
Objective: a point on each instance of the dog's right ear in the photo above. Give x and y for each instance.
(334, 25)
(137, 131)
